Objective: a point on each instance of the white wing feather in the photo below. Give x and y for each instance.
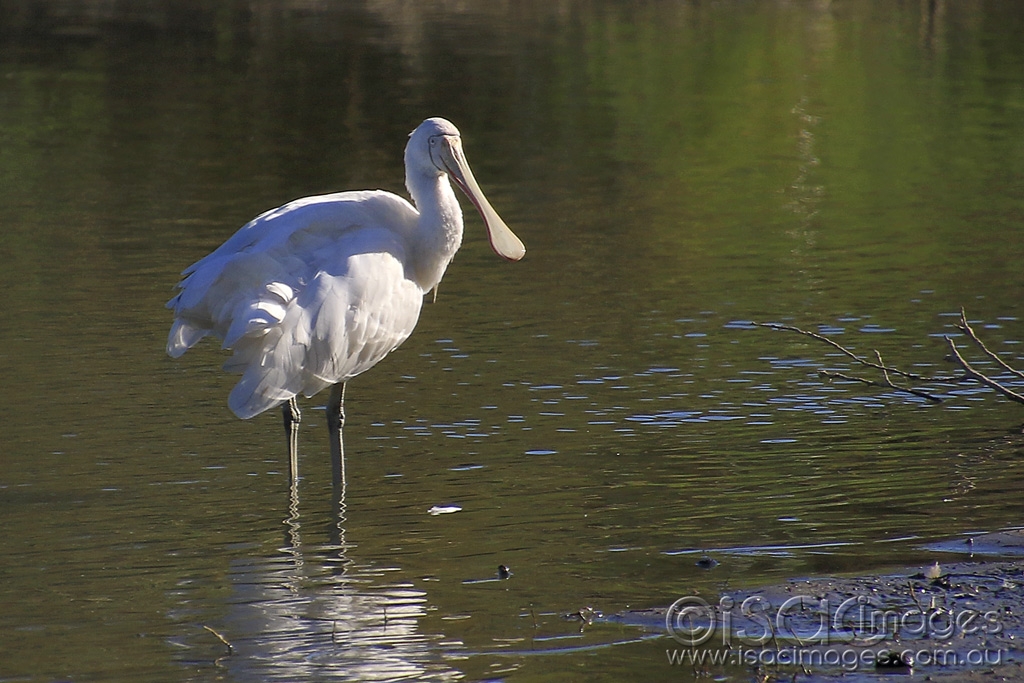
(307, 295)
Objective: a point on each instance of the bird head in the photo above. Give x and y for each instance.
(435, 147)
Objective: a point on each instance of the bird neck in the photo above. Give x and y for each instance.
(439, 229)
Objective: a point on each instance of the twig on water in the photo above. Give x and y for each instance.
(842, 349)
(887, 384)
(970, 373)
(974, 374)
(966, 328)
(880, 365)
(221, 638)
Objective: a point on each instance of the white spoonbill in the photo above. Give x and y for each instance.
(317, 291)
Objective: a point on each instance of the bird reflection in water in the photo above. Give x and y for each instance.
(313, 612)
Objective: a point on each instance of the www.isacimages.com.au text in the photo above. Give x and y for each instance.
(850, 659)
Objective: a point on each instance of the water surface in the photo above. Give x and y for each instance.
(596, 417)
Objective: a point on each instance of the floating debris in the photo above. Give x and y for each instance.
(585, 615)
(707, 562)
(444, 509)
(502, 574)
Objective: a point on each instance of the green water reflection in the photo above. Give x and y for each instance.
(594, 411)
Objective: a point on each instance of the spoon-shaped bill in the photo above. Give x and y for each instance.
(503, 241)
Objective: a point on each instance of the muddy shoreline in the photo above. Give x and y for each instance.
(957, 621)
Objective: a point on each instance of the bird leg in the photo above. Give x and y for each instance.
(335, 425)
(292, 418)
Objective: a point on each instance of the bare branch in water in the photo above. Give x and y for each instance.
(966, 328)
(970, 372)
(842, 349)
(888, 384)
(974, 374)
